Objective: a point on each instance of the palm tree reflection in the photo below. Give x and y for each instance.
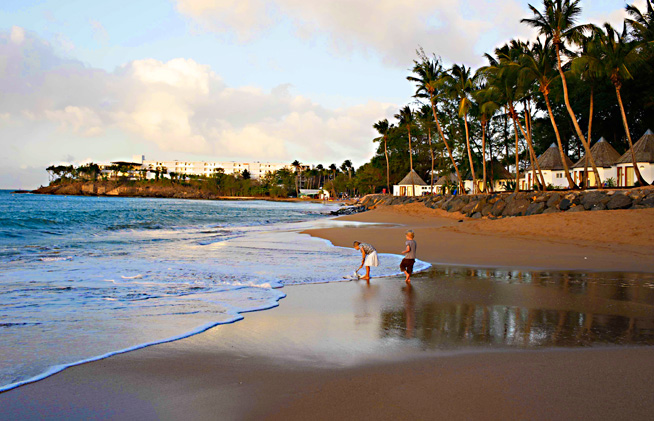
(452, 308)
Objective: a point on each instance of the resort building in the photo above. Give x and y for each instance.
(552, 169)
(605, 157)
(411, 185)
(257, 170)
(446, 184)
(644, 150)
(494, 171)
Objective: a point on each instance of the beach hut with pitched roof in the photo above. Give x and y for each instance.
(644, 150)
(552, 168)
(446, 183)
(409, 183)
(494, 169)
(605, 157)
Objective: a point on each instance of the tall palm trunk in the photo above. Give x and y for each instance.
(558, 141)
(431, 151)
(484, 122)
(566, 99)
(535, 165)
(641, 180)
(388, 171)
(449, 151)
(472, 167)
(590, 138)
(413, 187)
(517, 157)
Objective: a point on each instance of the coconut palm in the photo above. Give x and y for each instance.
(428, 77)
(618, 58)
(557, 24)
(538, 66)
(383, 128)
(405, 118)
(460, 85)
(426, 118)
(585, 66)
(502, 77)
(296, 164)
(642, 24)
(488, 104)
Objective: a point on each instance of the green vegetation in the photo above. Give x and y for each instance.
(530, 94)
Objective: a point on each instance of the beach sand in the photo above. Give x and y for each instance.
(458, 344)
(590, 241)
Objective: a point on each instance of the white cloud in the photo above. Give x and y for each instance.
(175, 108)
(393, 29)
(17, 34)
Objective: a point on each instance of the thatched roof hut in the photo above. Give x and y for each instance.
(603, 153)
(492, 167)
(644, 150)
(551, 160)
(412, 179)
(444, 178)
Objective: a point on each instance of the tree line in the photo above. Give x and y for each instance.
(572, 84)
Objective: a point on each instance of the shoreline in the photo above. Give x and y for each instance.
(599, 241)
(297, 360)
(325, 343)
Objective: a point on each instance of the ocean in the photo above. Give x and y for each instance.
(83, 278)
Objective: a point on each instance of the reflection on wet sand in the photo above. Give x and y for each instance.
(453, 308)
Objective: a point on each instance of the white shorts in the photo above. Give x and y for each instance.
(371, 259)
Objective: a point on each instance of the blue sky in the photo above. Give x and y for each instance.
(269, 80)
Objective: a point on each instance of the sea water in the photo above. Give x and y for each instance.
(82, 278)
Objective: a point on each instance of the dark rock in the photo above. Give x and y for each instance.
(648, 202)
(516, 207)
(619, 201)
(591, 199)
(476, 215)
(565, 204)
(535, 208)
(551, 210)
(554, 200)
(498, 208)
(455, 204)
(486, 210)
(598, 206)
(467, 209)
(543, 197)
(577, 208)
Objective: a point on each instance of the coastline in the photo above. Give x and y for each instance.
(599, 241)
(322, 345)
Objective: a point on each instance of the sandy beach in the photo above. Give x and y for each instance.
(482, 335)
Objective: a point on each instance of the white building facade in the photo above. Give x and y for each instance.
(257, 170)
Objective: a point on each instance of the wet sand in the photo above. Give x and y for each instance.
(461, 343)
(590, 241)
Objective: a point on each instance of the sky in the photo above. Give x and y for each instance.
(223, 80)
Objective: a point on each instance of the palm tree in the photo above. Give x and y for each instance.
(460, 86)
(642, 24)
(383, 128)
(405, 118)
(427, 119)
(538, 65)
(428, 77)
(619, 57)
(297, 166)
(557, 24)
(502, 76)
(586, 67)
(489, 104)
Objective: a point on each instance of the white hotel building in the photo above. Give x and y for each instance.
(206, 168)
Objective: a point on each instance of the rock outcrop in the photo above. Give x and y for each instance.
(502, 205)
